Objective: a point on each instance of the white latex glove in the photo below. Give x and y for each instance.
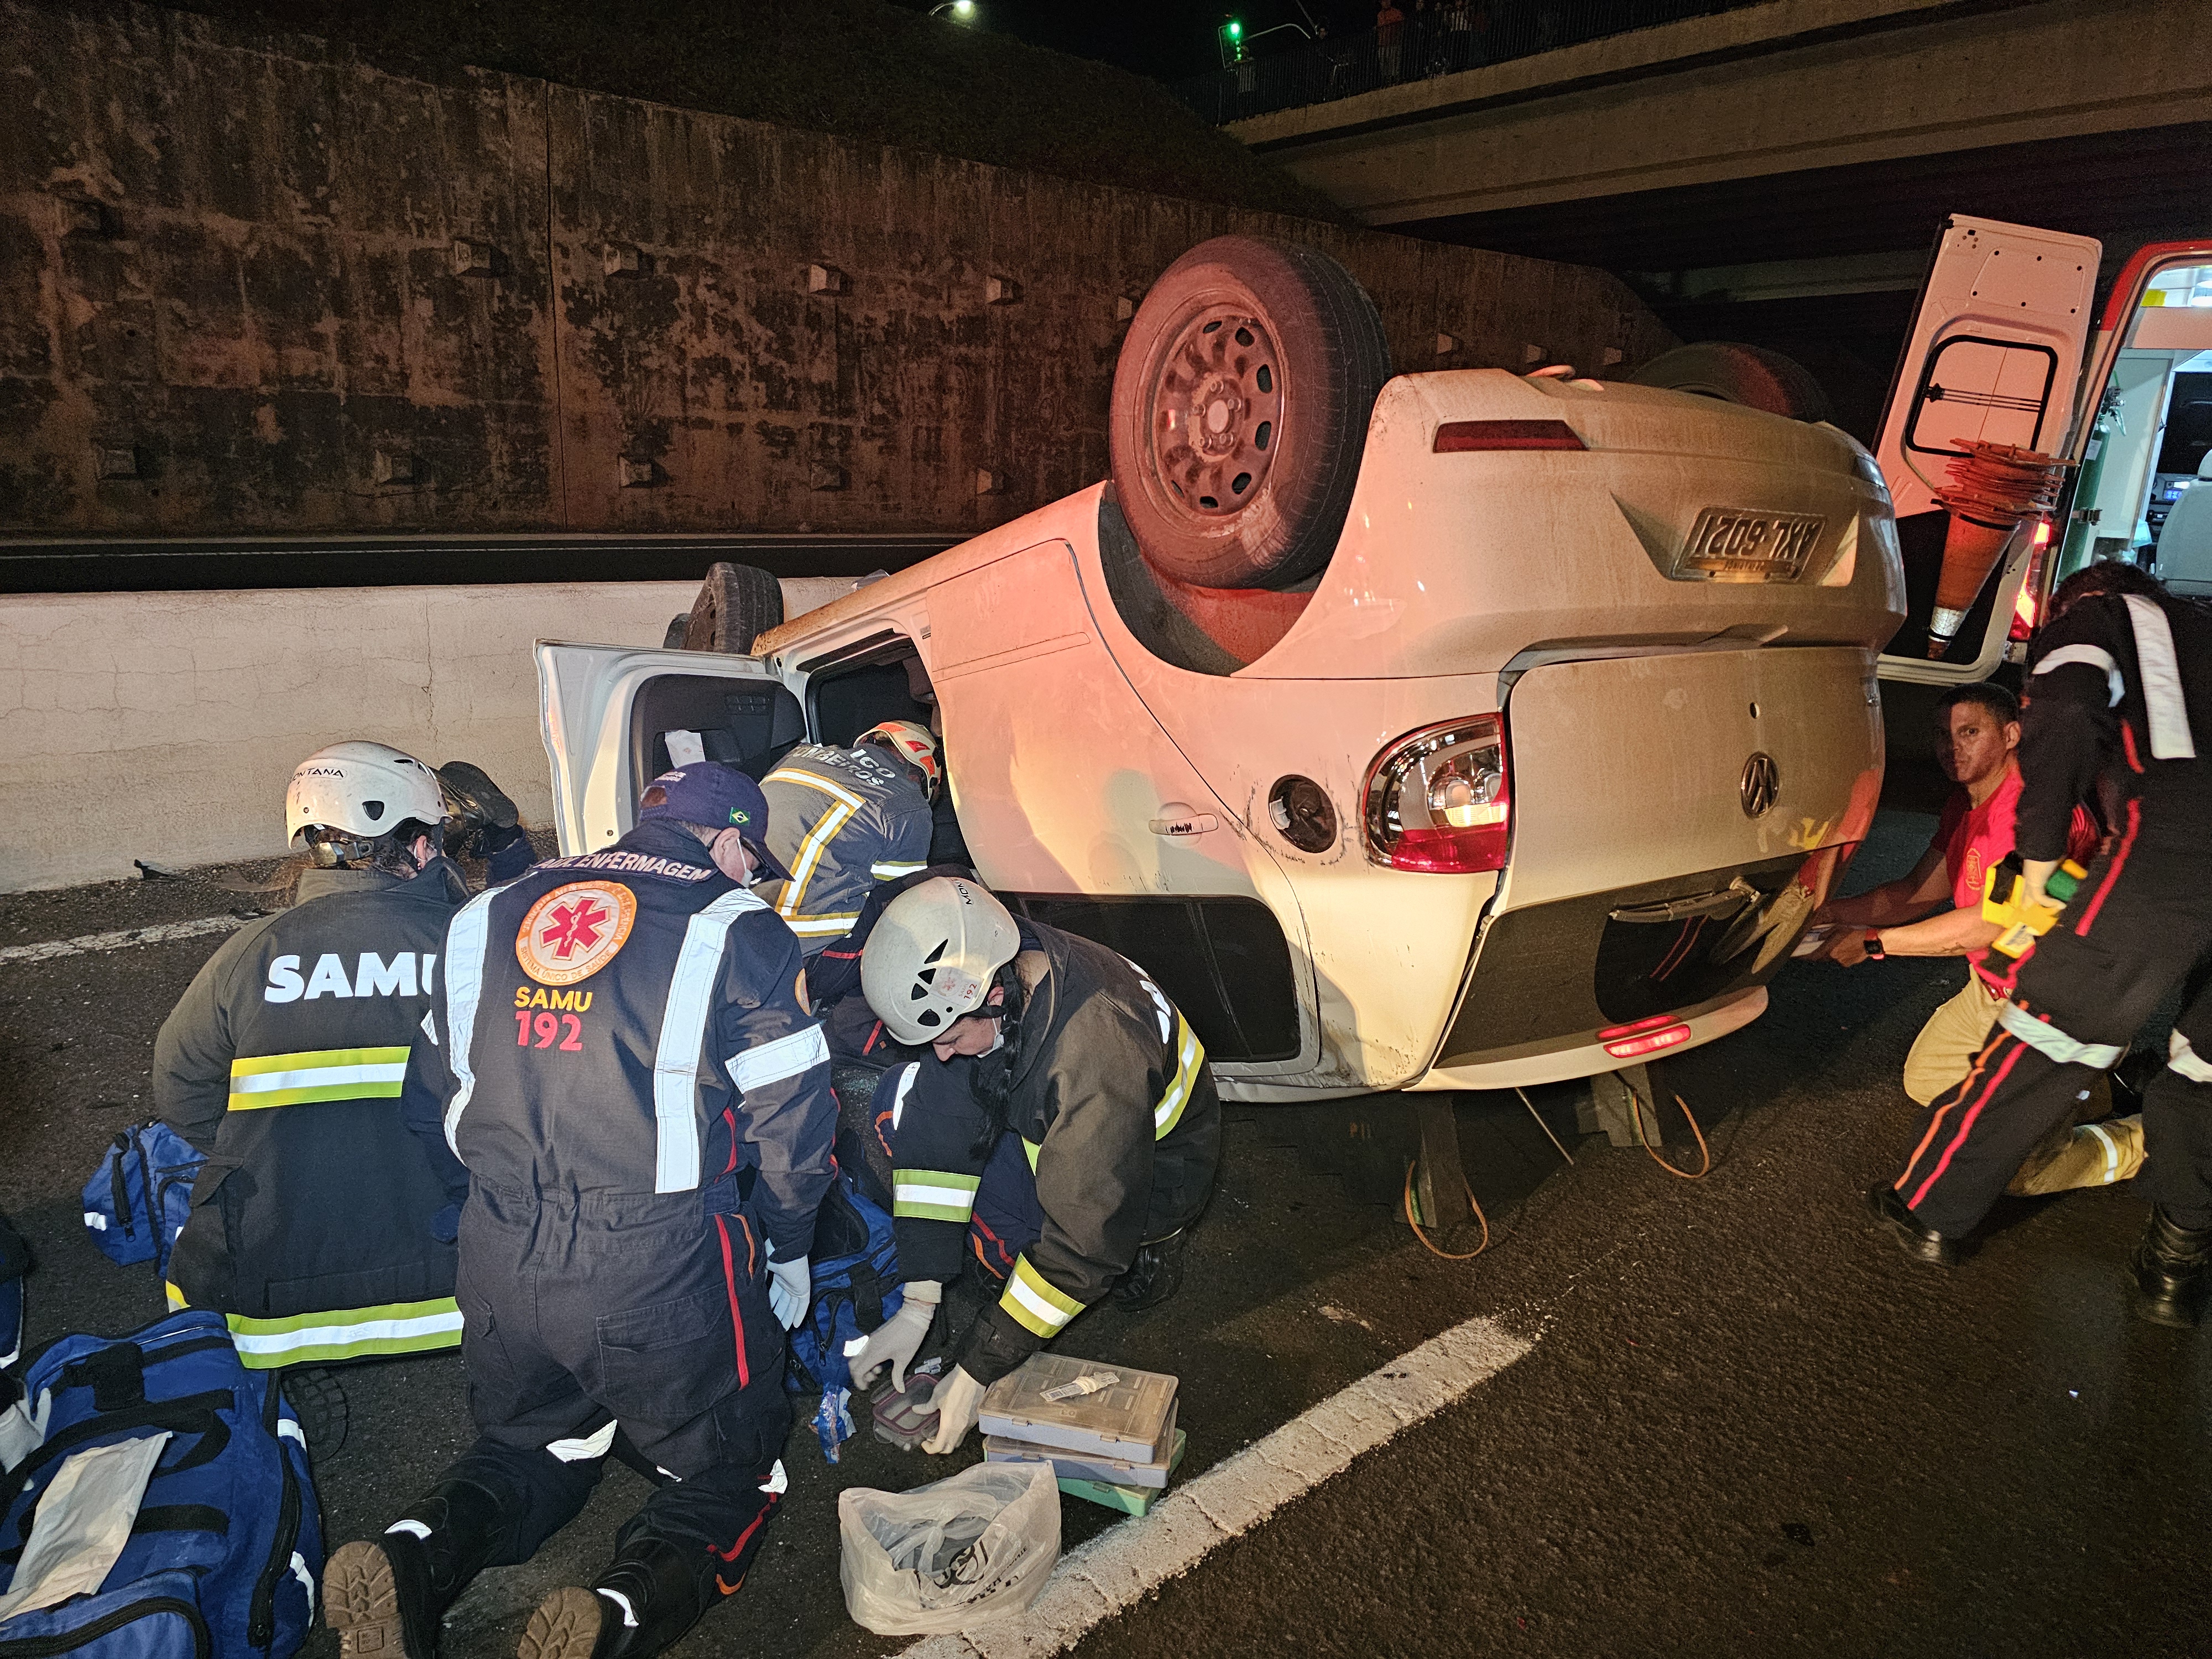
(956, 1398)
(790, 1290)
(895, 1341)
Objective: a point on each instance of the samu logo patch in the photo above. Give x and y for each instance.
(575, 931)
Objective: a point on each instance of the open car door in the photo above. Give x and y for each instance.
(1995, 354)
(614, 717)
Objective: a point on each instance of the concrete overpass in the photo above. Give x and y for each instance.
(1775, 171)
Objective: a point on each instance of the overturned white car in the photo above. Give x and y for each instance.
(1452, 730)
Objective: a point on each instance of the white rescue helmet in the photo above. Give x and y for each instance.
(362, 788)
(913, 744)
(932, 955)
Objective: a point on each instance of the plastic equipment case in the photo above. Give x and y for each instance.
(1104, 1411)
(1151, 1470)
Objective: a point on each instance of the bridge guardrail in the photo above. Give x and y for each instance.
(1440, 41)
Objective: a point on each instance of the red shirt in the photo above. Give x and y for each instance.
(1975, 838)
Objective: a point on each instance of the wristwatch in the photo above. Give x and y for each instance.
(1874, 943)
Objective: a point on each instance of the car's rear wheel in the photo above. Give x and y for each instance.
(1746, 375)
(1240, 412)
(737, 603)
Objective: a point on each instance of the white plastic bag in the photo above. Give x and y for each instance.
(976, 1546)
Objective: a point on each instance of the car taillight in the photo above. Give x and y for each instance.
(1439, 800)
(1456, 436)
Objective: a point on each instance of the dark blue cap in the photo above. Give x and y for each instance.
(709, 793)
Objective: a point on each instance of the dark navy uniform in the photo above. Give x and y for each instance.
(313, 1216)
(628, 1071)
(2119, 688)
(841, 820)
(1095, 1130)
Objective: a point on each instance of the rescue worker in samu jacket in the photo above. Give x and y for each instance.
(312, 1217)
(2120, 688)
(1063, 1137)
(625, 1068)
(844, 819)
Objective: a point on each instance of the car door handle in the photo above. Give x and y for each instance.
(1185, 823)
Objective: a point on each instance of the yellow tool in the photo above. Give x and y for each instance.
(2004, 900)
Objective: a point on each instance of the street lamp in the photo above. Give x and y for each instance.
(962, 9)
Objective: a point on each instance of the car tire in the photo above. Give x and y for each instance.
(1276, 353)
(737, 603)
(672, 640)
(1746, 375)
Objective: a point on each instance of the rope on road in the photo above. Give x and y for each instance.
(1447, 1256)
(49, 949)
(1703, 1150)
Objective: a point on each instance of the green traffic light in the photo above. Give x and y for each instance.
(1235, 29)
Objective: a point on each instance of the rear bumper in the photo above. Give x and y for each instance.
(1590, 1058)
(1548, 980)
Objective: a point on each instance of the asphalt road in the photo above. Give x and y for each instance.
(1746, 1425)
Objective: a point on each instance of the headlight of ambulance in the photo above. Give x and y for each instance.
(1440, 800)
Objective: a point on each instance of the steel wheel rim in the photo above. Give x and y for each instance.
(1216, 414)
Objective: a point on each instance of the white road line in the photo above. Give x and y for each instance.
(1129, 1561)
(87, 942)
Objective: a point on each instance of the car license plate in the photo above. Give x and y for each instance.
(1735, 544)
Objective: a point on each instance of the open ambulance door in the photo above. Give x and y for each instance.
(1995, 353)
(2146, 422)
(615, 717)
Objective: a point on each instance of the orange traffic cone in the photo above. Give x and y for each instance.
(1970, 553)
(1993, 487)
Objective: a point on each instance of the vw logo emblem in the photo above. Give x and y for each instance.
(1760, 783)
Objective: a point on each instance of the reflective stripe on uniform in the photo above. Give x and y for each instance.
(314, 1074)
(892, 869)
(2170, 736)
(1035, 1305)
(787, 1056)
(2112, 1153)
(934, 1194)
(583, 1448)
(901, 1091)
(1189, 1055)
(2088, 656)
(466, 937)
(2181, 1058)
(316, 1338)
(811, 849)
(829, 925)
(2054, 1044)
(683, 1040)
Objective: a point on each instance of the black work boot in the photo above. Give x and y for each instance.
(1155, 1275)
(385, 1595)
(1922, 1243)
(2169, 1267)
(641, 1603)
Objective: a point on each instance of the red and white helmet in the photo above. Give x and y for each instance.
(912, 744)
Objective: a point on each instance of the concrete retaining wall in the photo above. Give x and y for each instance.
(165, 726)
(248, 284)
